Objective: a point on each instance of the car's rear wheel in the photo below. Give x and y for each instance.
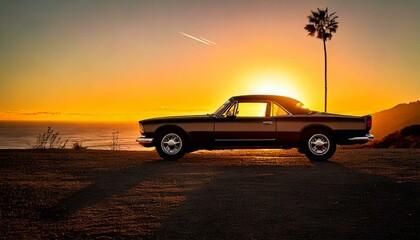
(171, 145)
(318, 145)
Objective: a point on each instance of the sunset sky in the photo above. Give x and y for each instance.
(129, 60)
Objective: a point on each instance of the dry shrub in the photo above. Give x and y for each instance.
(49, 140)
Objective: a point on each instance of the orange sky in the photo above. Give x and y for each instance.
(129, 60)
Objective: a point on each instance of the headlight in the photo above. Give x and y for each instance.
(141, 128)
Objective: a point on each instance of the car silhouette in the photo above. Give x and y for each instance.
(256, 121)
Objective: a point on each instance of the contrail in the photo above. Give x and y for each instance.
(202, 40)
(213, 43)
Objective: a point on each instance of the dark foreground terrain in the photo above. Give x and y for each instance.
(256, 194)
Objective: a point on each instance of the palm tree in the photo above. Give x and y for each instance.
(322, 25)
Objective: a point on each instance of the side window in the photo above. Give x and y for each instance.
(276, 110)
(252, 109)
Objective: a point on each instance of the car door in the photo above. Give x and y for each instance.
(246, 124)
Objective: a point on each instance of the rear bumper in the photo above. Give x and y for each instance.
(364, 138)
(144, 140)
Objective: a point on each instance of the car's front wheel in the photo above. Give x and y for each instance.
(318, 145)
(171, 145)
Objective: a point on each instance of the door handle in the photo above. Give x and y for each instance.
(268, 122)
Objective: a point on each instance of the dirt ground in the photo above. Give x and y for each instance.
(241, 194)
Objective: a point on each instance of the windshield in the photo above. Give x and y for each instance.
(223, 107)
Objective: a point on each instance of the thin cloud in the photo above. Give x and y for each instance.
(40, 113)
(202, 40)
(25, 113)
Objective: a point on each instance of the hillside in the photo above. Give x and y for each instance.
(408, 137)
(395, 119)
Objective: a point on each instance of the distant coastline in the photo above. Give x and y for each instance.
(93, 135)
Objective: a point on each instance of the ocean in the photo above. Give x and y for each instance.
(24, 134)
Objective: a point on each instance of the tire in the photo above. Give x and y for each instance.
(318, 145)
(171, 145)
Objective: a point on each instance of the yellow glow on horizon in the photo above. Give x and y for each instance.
(273, 83)
(131, 61)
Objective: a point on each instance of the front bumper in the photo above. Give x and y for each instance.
(144, 140)
(365, 138)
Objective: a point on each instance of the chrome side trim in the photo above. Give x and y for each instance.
(365, 138)
(144, 140)
(243, 140)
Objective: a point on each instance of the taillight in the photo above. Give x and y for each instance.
(141, 129)
(369, 123)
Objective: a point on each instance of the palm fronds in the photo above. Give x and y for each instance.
(322, 24)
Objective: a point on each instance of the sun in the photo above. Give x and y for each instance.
(274, 85)
(272, 89)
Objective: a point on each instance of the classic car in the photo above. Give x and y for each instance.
(256, 121)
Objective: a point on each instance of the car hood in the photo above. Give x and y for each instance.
(188, 118)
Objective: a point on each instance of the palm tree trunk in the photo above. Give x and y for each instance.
(325, 75)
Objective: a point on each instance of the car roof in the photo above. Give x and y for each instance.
(291, 105)
(275, 98)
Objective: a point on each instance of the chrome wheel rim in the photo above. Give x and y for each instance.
(171, 144)
(319, 144)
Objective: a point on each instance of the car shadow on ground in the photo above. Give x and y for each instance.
(323, 201)
(269, 201)
(105, 186)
